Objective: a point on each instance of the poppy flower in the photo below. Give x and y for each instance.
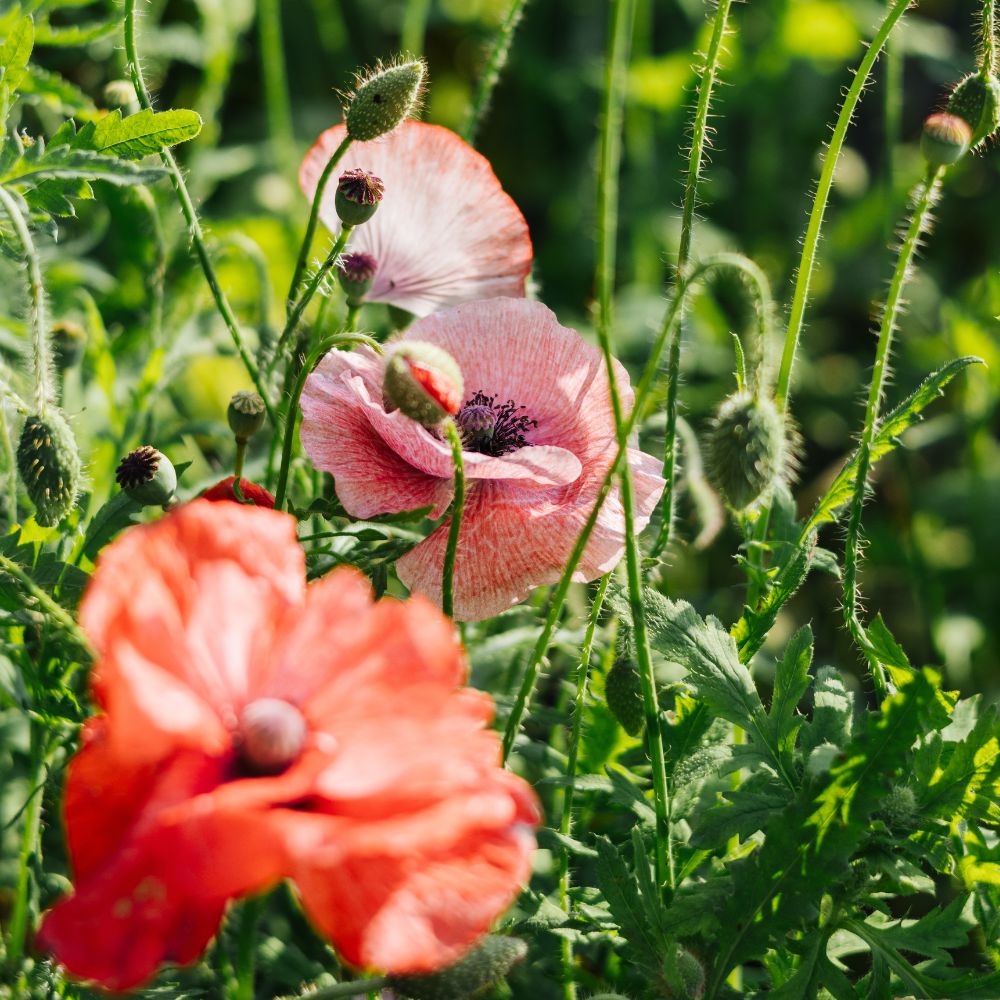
(539, 435)
(223, 490)
(254, 729)
(445, 231)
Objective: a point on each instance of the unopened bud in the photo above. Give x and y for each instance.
(69, 340)
(356, 274)
(945, 139)
(976, 99)
(245, 414)
(486, 964)
(383, 99)
(147, 476)
(119, 94)
(424, 382)
(358, 195)
(623, 693)
(49, 463)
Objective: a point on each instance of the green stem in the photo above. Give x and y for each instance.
(158, 277)
(988, 56)
(307, 240)
(455, 525)
(191, 217)
(353, 313)
(41, 353)
(800, 297)
(699, 137)
(924, 201)
(340, 990)
(276, 97)
(572, 756)
(241, 454)
(414, 27)
(495, 62)
(245, 947)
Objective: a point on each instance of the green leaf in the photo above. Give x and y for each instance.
(747, 809)
(14, 54)
(74, 34)
(934, 933)
(64, 163)
(140, 134)
(791, 681)
(833, 712)
(117, 514)
(42, 86)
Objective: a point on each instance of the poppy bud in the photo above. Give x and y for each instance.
(745, 452)
(356, 274)
(485, 965)
(147, 476)
(245, 415)
(358, 196)
(49, 463)
(69, 340)
(623, 693)
(383, 99)
(119, 94)
(424, 381)
(899, 807)
(688, 976)
(945, 139)
(976, 99)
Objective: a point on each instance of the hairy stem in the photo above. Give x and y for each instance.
(800, 297)
(988, 55)
(455, 525)
(924, 200)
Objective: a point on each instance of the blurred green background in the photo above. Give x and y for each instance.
(934, 539)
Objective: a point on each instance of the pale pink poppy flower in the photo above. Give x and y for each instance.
(539, 435)
(445, 231)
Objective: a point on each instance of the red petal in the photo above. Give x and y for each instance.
(223, 490)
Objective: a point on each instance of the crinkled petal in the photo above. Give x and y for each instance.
(444, 232)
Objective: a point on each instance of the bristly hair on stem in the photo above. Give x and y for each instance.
(988, 42)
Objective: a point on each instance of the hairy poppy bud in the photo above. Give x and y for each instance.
(358, 196)
(945, 139)
(245, 414)
(424, 381)
(356, 274)
(976, 99)
(899, 807)
(623, 693)
(119, 94)
(745, 452)
(49, 464)
(147, 476)
(486, 964)
(69, 340)
(383, 99)
(688, 976)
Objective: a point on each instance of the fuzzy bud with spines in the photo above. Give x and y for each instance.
(246, 414)
(356, 274)
(746, 449)
(945, 139)
(148, 477)
(976, 99)
(423, 381)
(623, 693)
(49, 464)
(358, 195)
(486, 964)
(384, 98)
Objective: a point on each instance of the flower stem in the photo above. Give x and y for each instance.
(191, 218)
(495, 62)
(924, 200)
(414, 27)
(276, 97)
(699, 141)
(800, 296)
(307, 240)
(245, 951)
(340, 990)
(241, 454)
(988, 55)
(455, 525)
(572, 756)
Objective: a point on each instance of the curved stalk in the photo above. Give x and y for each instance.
(455, 525)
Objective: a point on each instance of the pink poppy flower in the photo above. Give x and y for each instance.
(255, 729)
(445, 231)
(539, 436)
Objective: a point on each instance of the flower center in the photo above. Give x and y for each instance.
(493, 428)
(270, 735)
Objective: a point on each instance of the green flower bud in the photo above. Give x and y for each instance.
(356, 274)
(623, 693)
(686, 978)
(400, 318)
(977, 101)
(69, 340)
(384, 98)
(486, 964)
(424, 382)
(945, 139)
(147, 476)
(49, 463)
(745, 451)
(119, 94)
(358, 196)
(246, 414)
(899, 807)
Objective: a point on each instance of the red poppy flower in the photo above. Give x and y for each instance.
(223, 490)
(253, 729)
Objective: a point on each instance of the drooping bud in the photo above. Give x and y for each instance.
(252, 493)
(945, 139)
(976, 99)
(384, 98)
(119, 94)
(69, 340)
(356, 274)
(49, 464)
(270, 735)
(745, 451)
(486, 964)
(424, 382)
(358, 196)
(623, 693)
(245, 414)
(147, 476)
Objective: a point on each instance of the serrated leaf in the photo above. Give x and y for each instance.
(746, 809)
(74, 34)
(140, 134)
(64, 163)
(791, 681)
(116, 515)
(42, 86)
(934, 933)
(14, 54)
(833, 712)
